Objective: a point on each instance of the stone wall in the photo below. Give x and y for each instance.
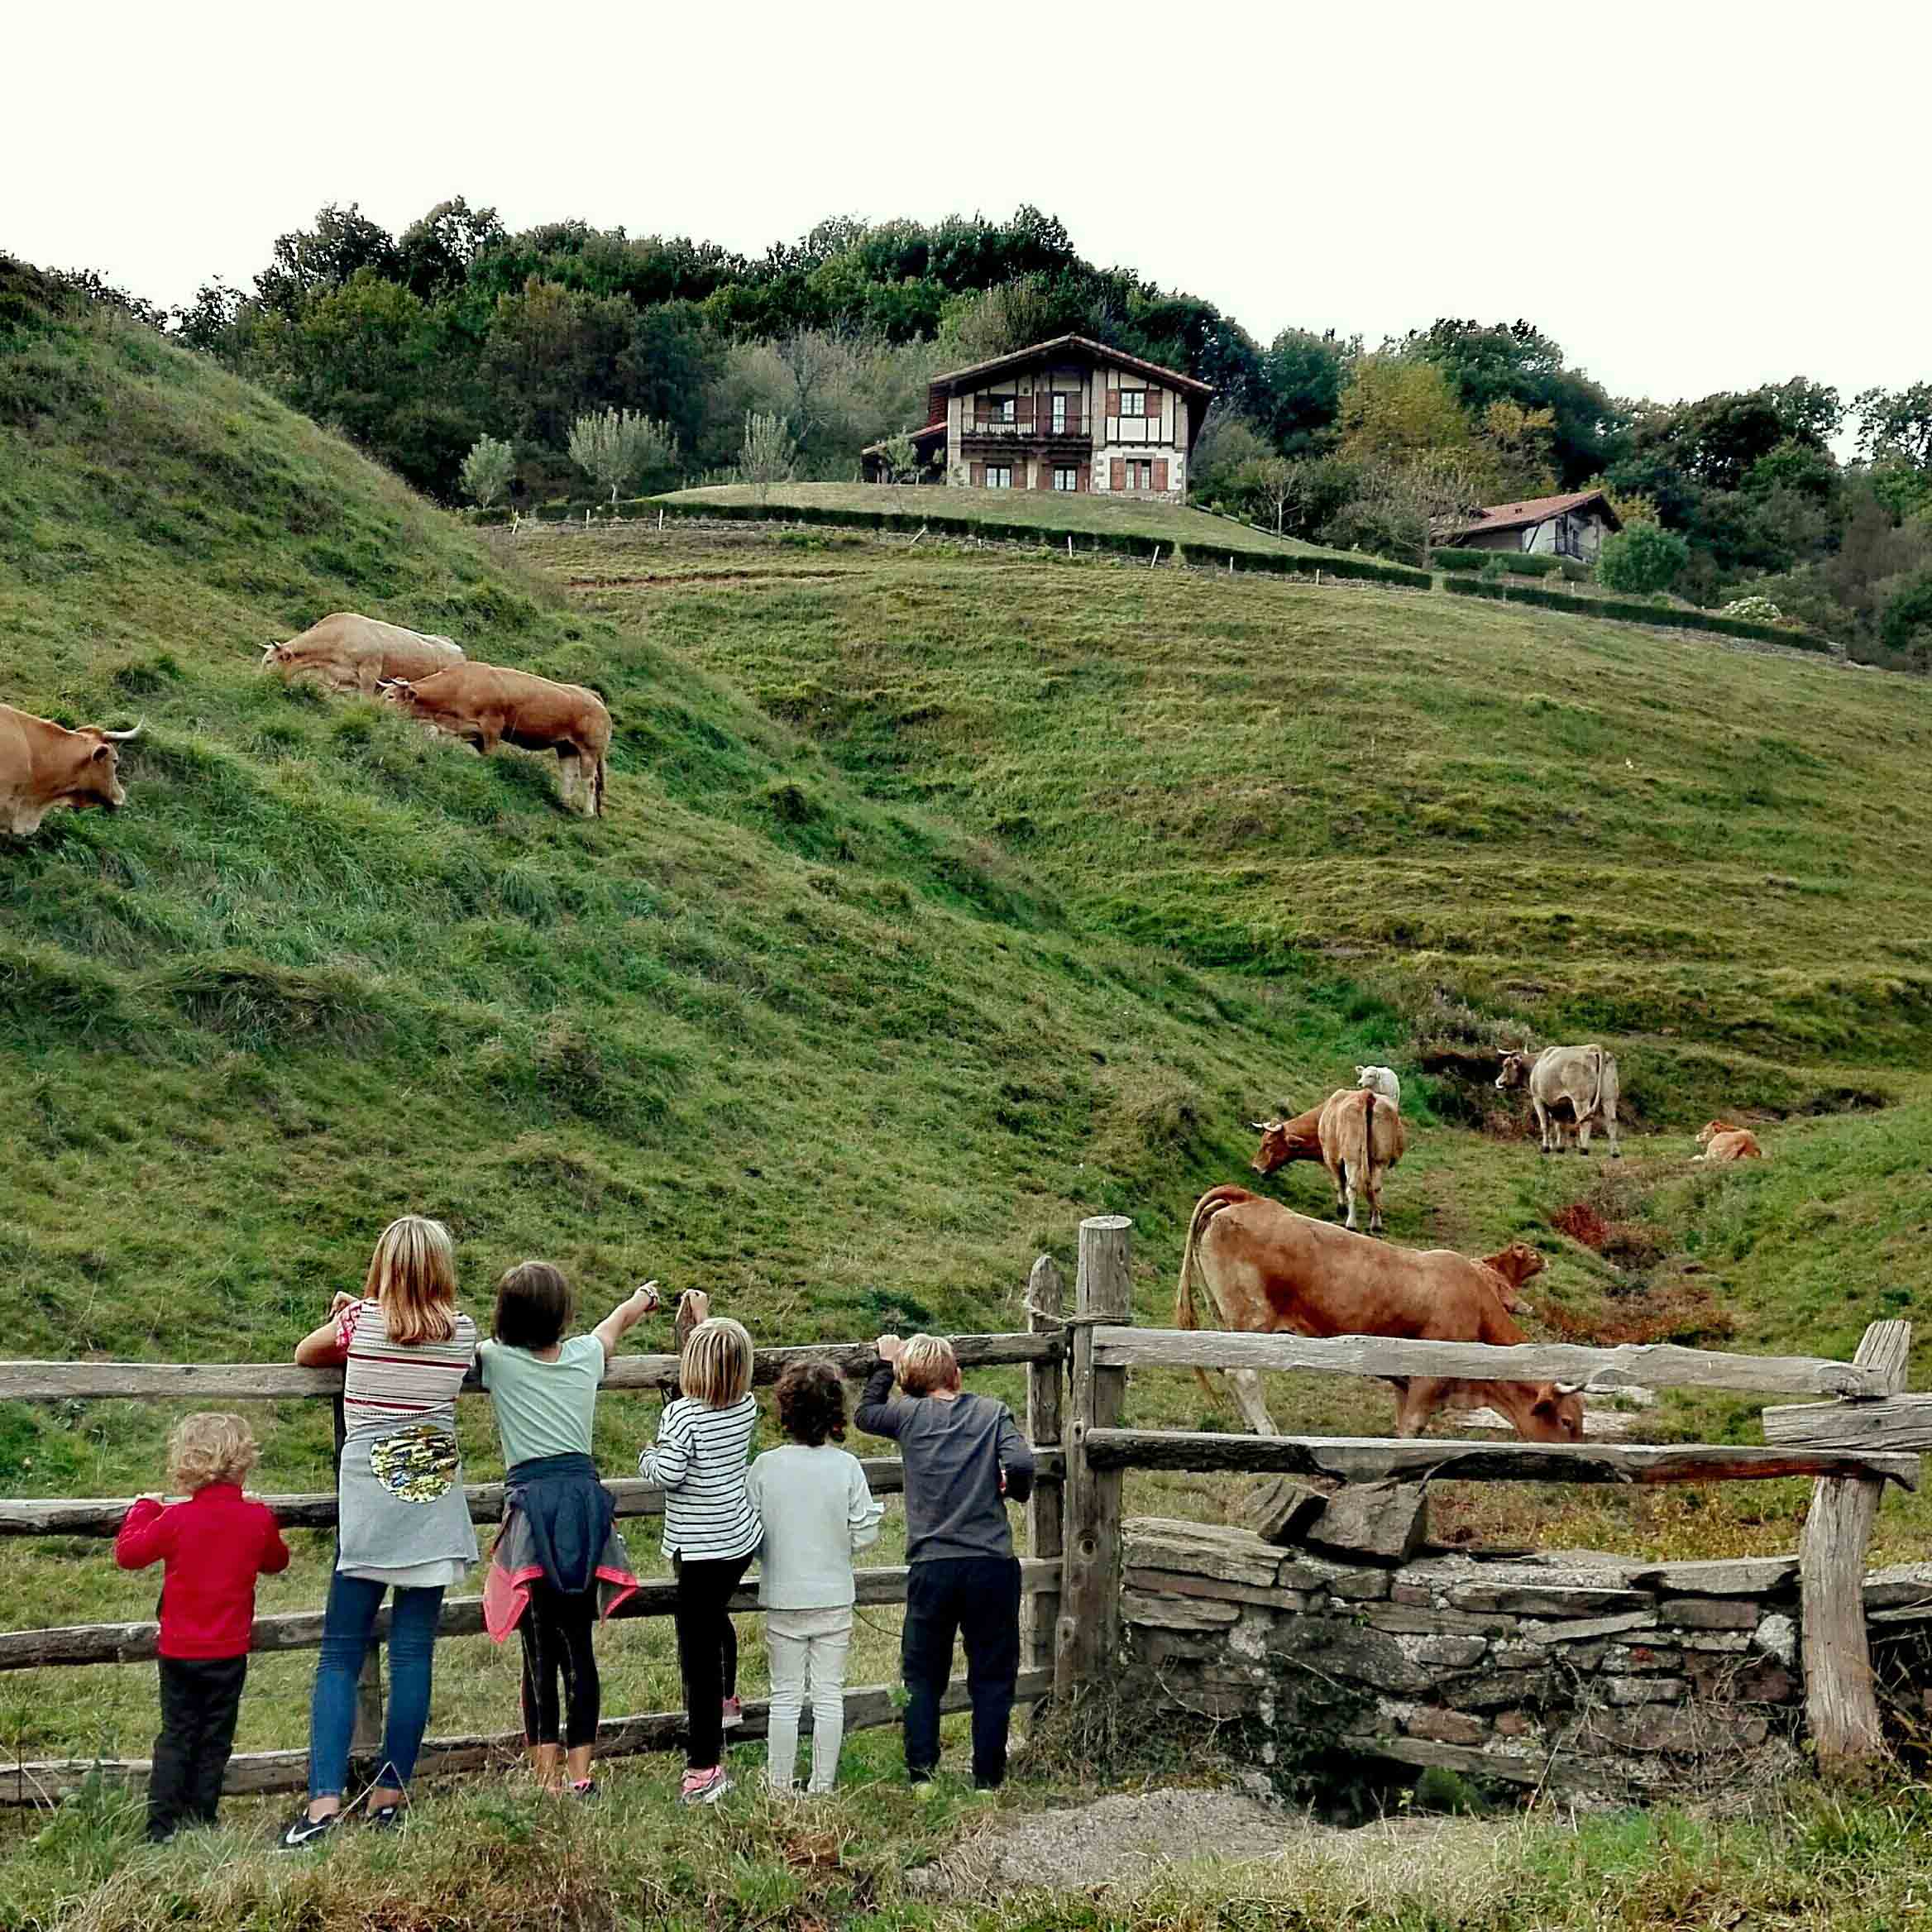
(1599, 1677)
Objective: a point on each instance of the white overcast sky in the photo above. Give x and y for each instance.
(1690, 196)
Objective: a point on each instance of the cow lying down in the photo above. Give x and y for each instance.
(1723, 1143)
(1268, 1271)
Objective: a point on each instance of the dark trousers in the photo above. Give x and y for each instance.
(707, 1650)
(201, 1698)
(556, 1644)
(978, 1597)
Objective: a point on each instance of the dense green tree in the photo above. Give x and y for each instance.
(1302, 377)
(1643, 560)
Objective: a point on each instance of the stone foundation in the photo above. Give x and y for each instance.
(1602, 1677)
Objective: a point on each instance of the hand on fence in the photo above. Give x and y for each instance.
(343, 1299)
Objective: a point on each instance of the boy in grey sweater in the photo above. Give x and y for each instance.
(963, 1455)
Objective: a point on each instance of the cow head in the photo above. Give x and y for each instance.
(96, 778)
(400, 692)
(1515, 1265)
(1711, 1129)
(1515, 1071)
(1282, 1140)
(1540, 1412)
(276, 658)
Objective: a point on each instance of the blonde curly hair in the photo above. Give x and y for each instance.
(210, 1448)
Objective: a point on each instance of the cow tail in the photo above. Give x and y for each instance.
(1596, 1097)
(1184, 1314)
(598, 774)
(1369, 1142)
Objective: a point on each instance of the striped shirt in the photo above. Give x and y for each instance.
(385, 1382)
(699, 1461)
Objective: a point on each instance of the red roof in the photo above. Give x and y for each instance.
(1538, 509)
(952, 377)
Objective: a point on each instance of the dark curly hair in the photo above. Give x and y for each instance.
(811, 1403)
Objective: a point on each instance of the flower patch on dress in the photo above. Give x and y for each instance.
(418, 1464)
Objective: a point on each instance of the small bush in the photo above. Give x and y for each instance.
(1642, 559)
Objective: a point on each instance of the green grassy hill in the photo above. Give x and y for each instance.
(1052, 513)
(944, 897)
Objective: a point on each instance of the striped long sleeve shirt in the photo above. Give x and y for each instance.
(698, 1461)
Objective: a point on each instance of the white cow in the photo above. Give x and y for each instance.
(1584, 1076)
(1380, 1080)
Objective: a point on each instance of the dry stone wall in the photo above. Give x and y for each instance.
(1602, 1677)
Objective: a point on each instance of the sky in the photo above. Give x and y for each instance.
(1689, 197)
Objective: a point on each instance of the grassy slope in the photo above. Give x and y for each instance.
(1053, 511)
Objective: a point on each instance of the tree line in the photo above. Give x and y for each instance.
(680, 360)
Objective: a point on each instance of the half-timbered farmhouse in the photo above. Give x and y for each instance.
(1067, 415)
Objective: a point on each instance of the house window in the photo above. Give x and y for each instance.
(999, 476)
(1133, 402)
(1000, 409)
(1066, 479)
(1060, 418)
(1139, 473)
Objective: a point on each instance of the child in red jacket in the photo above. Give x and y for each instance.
(214, 1546)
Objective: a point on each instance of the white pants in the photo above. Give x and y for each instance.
(807, 1646)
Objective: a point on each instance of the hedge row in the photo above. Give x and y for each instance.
(1289, 564)
(1661, 614)
(1521, 563)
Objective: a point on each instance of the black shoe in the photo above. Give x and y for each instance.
(584, 1792)
(304, 1830)
(390, 1818)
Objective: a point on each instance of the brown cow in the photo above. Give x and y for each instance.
(43, 765)
(1355, 1133)
(348, 652)
(1268, 1271)
(1722, 1143)
(486, 705)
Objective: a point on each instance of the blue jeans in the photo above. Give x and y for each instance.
(347, 1624)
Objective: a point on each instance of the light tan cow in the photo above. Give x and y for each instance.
(348, 652)
(1355, 1133)
(1268, 1271)
(486, 705)
(44, 765)
(1585, 1078)
(1723, 1143)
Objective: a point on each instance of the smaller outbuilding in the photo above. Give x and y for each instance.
(1574, 525)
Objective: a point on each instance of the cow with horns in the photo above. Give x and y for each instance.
(44, 765)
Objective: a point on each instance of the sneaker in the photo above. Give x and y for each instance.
(390, 1818)
(585, 1788)
(734, 1714)
(304, 1830)
(704, 1787)
(925, 1787)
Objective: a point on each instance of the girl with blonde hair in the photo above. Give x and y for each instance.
(711, 1530)
(402, 1522)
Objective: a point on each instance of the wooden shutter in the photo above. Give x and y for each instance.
(1042, 475)
(977, 471)
(1113, 402)
(1023, 410)
(1116, 475)
(1152, 406)
(1083, 477)
(1161, 472)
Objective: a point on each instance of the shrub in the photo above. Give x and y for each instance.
(1642, 559)
(1495, 569)
(487, 469)
(1754, 610)
(1496, 563)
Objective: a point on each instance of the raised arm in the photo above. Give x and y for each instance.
(876, 1413)
(642, 1300)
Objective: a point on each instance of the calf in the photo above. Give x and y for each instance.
(1723, 1143)
(1380, 1080)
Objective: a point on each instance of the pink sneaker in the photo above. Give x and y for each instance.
(734, 1714)
(704, 1787)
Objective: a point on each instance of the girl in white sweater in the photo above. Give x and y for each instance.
(817, 1509)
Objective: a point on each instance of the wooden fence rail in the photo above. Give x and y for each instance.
(101, 1516)
(257, 1772)
(96, 1381)
(463, 1616)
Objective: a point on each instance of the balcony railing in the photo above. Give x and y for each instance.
(1025, 426)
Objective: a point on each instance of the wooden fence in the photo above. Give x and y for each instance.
(1867, 1433)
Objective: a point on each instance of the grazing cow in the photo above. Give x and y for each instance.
(1585, 1077)
(1268, 1271)
(486, 705)
(346, 651)
(1357, 1137)
(1380, 1080)
(43, 765)
(1723, 1143)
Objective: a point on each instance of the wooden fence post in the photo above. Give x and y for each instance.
(1840, 1706)
(1088, 1636)
(366, 1739)
(1046, 1292)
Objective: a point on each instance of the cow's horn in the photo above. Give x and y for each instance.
(1260, 1127)
(1569, 1388)
(122, 737)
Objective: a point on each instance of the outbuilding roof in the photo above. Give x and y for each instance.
(1538, 509)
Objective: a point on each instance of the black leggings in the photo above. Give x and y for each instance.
(707, 1650)
(556, 1644)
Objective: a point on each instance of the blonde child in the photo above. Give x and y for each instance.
(711, 1531)
(214, 1546)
